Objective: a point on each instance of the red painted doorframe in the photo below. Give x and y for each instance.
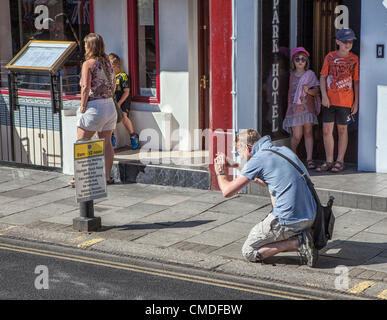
(220, 75)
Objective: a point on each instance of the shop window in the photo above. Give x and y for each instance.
(144, 50)
(274, 65)
(60, 20)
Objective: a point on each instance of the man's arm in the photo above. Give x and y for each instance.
(228, 163)
(231, 188)
(228, 188)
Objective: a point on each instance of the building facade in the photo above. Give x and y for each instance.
(269, 30)
(165, 49)
(200, 70)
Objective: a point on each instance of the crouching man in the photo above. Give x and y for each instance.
(287, 226)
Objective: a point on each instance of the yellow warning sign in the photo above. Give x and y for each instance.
(88, 149)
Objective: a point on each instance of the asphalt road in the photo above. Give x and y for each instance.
(44, 272)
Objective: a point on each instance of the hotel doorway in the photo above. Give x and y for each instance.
(316, 32)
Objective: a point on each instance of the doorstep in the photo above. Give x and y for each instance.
(351, 189)
(168, 168)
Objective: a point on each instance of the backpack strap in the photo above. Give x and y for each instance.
(301, 172)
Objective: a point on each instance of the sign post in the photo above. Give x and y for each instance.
(90, 181)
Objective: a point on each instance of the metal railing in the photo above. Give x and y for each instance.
(31, 132)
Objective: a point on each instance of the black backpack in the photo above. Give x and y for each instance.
(322, 229)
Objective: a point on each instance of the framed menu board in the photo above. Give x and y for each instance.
(45, 56)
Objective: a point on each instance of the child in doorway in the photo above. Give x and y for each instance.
(304, 103)
(340, 97)
(122, 93)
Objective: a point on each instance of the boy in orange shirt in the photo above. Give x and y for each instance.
(339, 83)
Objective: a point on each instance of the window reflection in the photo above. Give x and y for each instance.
(146, 48)
(58, 20)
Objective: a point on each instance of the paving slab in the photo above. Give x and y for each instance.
(215, 238)
(352, 251)
(255, 216)
(36, 214)
(240, 229)
(376, 240)
(235, 207)
(161, 239)
(121, 202)
(184, 223)
(22, 193)
(167, 199)
(5, 200)
(66, 218)
(361, 218)
(380, 227)
(190, 227)
(135, 212)
(233, 250)
(33, 202)
(378, 263)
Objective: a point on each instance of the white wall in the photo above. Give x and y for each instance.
(373, 72)
(178, 68)
(381, 131)
(178, 64)
(110, 21)
(246, 66)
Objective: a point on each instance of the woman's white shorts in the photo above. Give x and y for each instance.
(100, 116)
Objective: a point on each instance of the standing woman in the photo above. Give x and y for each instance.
(97, 112)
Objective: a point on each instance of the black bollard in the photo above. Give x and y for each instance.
(87, 222)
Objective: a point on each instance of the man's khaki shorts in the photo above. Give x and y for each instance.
(268, 231)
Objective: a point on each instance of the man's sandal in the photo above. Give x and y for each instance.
(326, 166)
(338, 166)
(311, 164)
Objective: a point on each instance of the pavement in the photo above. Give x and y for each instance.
(200, 229)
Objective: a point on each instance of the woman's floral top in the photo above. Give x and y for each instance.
(101, 87)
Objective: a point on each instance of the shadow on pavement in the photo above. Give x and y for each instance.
(340, 253)
(160, 225)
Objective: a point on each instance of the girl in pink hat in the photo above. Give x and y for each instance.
(304, 103)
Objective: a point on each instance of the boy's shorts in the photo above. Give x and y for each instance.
(126, 108)
(336, 114)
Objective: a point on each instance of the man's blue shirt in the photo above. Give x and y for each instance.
(293, 200)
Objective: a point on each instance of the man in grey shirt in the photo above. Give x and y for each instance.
(287, 227)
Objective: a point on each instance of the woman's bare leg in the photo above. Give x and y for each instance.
(109, 151)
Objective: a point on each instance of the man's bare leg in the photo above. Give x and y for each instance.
(274, 248)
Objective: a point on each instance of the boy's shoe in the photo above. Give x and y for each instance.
(306, 249)
(134, 141)
(113, 139)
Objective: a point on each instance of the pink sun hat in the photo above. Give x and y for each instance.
(299, 49)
